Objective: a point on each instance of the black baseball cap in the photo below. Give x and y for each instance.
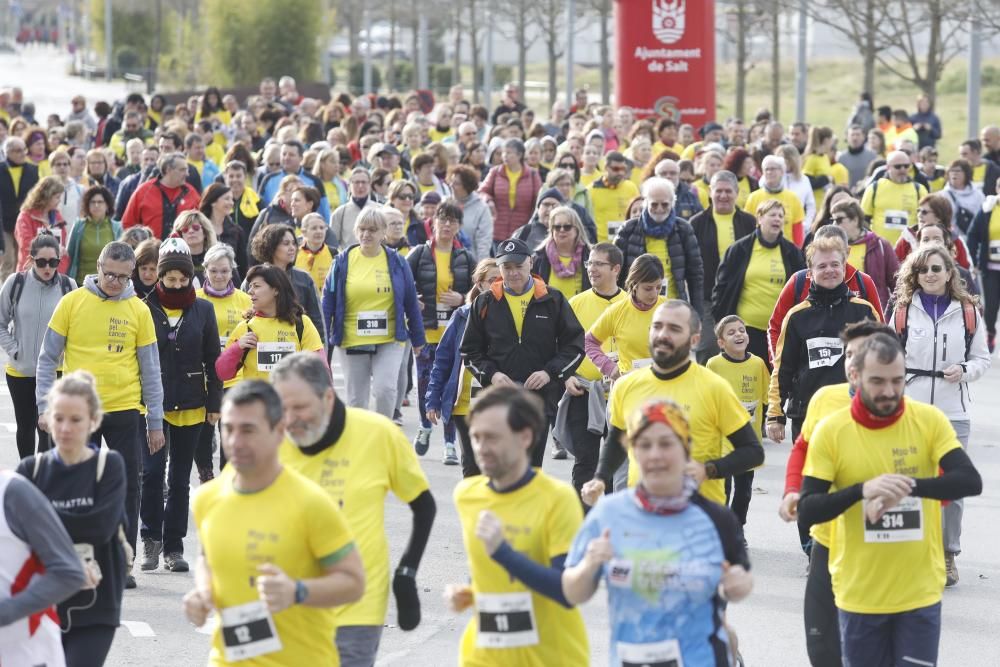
(512, 250)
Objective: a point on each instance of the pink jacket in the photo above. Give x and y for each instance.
(29, 223)
(496, 188)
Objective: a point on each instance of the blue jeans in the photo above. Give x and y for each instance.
(168, 521)
(906, 639)
(425, 362)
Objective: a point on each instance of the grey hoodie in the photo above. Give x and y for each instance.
(477, 223)
(148, 356)
(970, 198)
(22, 328)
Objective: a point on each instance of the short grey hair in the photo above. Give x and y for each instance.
(724, 176)
(220, 251)
(167, 160)
(117, 251)
(306, 366)
(776, 160)
(371, 215)
(658, 182)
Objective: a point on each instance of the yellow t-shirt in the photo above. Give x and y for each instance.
(625, 329)
(276, 339)
(979, 176)
(102, 336)
(993, 261)
(856, 255)
(704, 193)
(742, 192)
(610, 204)
(588, 307)
(893, 207)
(512, 177)
(229, 311)
(898, 564)
(291, 524)
(712, 408)
(571, 286)
(540, 520)
(371, 458)
(840, 175)
(818, 165)
(437, 135)
(15, 176)
(518, 307)
(445, 281)
(725, 232)
(825, 401)
(762, 283)
(658, 247)
(749, 378)
(332, 195)
(464, 398)
(794, 212)
(370, 317)
(588, 179)
(659, 147)
(316, 264)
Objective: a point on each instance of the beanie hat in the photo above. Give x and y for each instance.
(551, 193)
(175, 255)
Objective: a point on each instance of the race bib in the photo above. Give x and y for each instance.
(613, 229)
(248, 631)
(443, 314)
(663, 286)
(222, 341)
(750, 406)
(641, 363)
(903, 523)
(620, 573)
(995, 251)
(896, 219)
(657, 654)
(506, 620)
(269, 354)
(824, 351)
(373, 323)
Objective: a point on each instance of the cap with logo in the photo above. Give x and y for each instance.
(512, 250)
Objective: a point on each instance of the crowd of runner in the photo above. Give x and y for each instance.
(651, 299)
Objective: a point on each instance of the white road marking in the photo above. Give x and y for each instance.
(138, 629)
(9, 427)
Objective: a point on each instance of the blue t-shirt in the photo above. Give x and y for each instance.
(663, 578)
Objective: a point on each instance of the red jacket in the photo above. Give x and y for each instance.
(29, 223)
(908, 239)
(788, 299)
(496, 188)
(147, 204)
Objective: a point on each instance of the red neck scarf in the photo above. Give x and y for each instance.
(863, 415)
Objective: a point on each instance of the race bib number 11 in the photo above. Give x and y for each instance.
(506, 620)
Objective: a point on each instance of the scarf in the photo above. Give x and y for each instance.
(863, 416)
(175, 298)
(564, 270)
(311, 254)
(211, 291)
(665, 505)
(658, 230)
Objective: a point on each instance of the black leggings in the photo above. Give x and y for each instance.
(22, 395)
(820, 613)
(757, 344)
(740, 489)
(469, 467)
(88, 646)
(991, 294)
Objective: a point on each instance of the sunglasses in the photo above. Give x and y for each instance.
(46, 263)
(404, 195)
(562, 228)
(933, 268)
(659, 204)
(193, 227)
(900, 166)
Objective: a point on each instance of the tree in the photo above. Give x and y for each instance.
(602, 10)
(519, 12)
(551, 18)
(744, 18)
(136, 28)
(472, 7)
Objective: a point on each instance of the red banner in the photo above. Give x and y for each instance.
(665, 64)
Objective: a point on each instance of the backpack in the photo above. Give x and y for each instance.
(899, 317)
(963, 216)
(299, 328)
(18, 287)
(874, 186)
(799, 288)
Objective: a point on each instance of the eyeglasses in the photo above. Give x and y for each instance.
(933, 268)
(562, 228)
(43, 263)
(446, 221)
(116, 277)
(924, 211)
(659, 204)
(837, 219)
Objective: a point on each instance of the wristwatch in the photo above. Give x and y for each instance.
(711, 471)
(301, 592)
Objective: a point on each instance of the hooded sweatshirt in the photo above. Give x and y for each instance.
(30, 318)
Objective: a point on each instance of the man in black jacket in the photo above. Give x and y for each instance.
(716, 229)
(17, 177)
(522, 333)
(660, 231)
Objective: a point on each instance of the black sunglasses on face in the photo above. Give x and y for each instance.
(46, 263)
(933, 268)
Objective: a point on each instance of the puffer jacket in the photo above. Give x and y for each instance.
(686, 267)
(933, 346)
(496, 188)
(423, 264)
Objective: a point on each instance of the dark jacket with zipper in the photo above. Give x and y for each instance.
(733, 270)
(187, 356)
(806, 356)
(541, 266)
(551, 337)
(686, 267)
(424, 267)
(707, 232)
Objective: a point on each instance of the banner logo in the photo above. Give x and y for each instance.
(668, 20)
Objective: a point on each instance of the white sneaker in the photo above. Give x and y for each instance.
(450, 454)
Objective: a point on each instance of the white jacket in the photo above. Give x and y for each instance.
(933, 347)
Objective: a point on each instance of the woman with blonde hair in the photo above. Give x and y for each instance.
(562, 255)
(40, 211)
(199, 234)
(327, 169)
(817, 167)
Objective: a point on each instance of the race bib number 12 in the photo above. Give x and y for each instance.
(248, 631)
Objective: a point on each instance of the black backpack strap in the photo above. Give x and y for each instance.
(17, 288)
(65, 284)
(243, 358)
